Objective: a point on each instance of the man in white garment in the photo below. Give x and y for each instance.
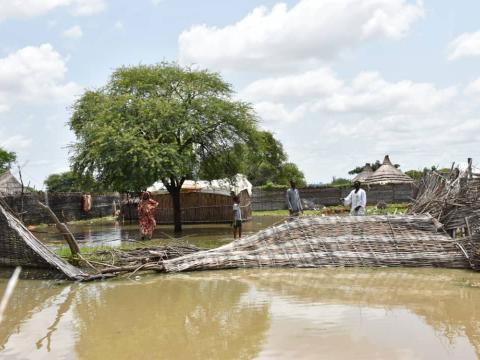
(293, 200)
(357, 199)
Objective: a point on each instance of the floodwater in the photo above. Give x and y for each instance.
(242, 314)
(205, 235)
(249, 314)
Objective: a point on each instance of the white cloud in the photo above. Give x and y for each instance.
(30, 8)
(75, 32)
(473, 88)
(368, 92)
(88, 7)
(157, 2)
(329, 122)
(305, 85)
(274, 112)
(35, 75)
(15, 143)
(309, 32)
(465, 45)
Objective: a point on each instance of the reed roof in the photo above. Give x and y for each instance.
(388, 174)
(9, 185)
(365, 174)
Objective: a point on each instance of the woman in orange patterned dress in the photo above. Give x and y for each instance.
(146, 215)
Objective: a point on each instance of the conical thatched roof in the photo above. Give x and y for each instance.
(9, 185)
(366, 172)
(388, 174)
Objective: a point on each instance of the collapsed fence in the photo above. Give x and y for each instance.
(441, 229)
(372, 241)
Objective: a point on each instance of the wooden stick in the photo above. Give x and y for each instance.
(63, 229)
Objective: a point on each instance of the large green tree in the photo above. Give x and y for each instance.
(158, 122)
(69, 181)
(7, 158)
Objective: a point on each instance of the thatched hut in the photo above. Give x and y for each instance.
(388, 174)
(9, 185)
(204, 201)
(365, 174)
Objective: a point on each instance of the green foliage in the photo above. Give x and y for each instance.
(263, 160)
(159, 122)
(7, 158)
(415, 174)
(71, 182)
(289, 171)
(418, 174)
(375, 165)
(340, 182)
(271, 186)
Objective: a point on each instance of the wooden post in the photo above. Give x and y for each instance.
(470, 173)
(63, 229)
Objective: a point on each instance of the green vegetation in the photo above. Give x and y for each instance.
(91, 252)
(262, 160)
(340, 182)
(418, 174)
(7, 158)
(159, 122)
(107, 220)
(391, 209)
(70, 181)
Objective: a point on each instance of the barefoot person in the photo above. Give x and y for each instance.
(237, 217)
(357, 199)
(293, 200)
(146, 215)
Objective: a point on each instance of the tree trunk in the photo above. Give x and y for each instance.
(177, 210)
(174, 186)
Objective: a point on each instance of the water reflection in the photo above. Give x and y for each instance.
(284, 313)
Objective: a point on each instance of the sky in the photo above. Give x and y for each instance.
(339, 82)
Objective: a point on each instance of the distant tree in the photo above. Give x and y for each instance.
(340, 182)
(290, 171)
(262, 160)
(415, 174)
(159, 122)
(7, 158)
(375, 165)
(418, 174)
(71, 182)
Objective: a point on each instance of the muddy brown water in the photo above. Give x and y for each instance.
(249, 314)
(340, 313)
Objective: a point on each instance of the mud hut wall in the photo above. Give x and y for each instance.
(267, 200)
(67, 206)
(196, 208)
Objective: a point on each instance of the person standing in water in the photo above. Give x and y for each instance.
(357, 199)
(146, 215)
(237, 217)
(293, 200)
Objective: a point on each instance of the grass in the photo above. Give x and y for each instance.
(91, 252)
(391, 209)
(107, 220)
